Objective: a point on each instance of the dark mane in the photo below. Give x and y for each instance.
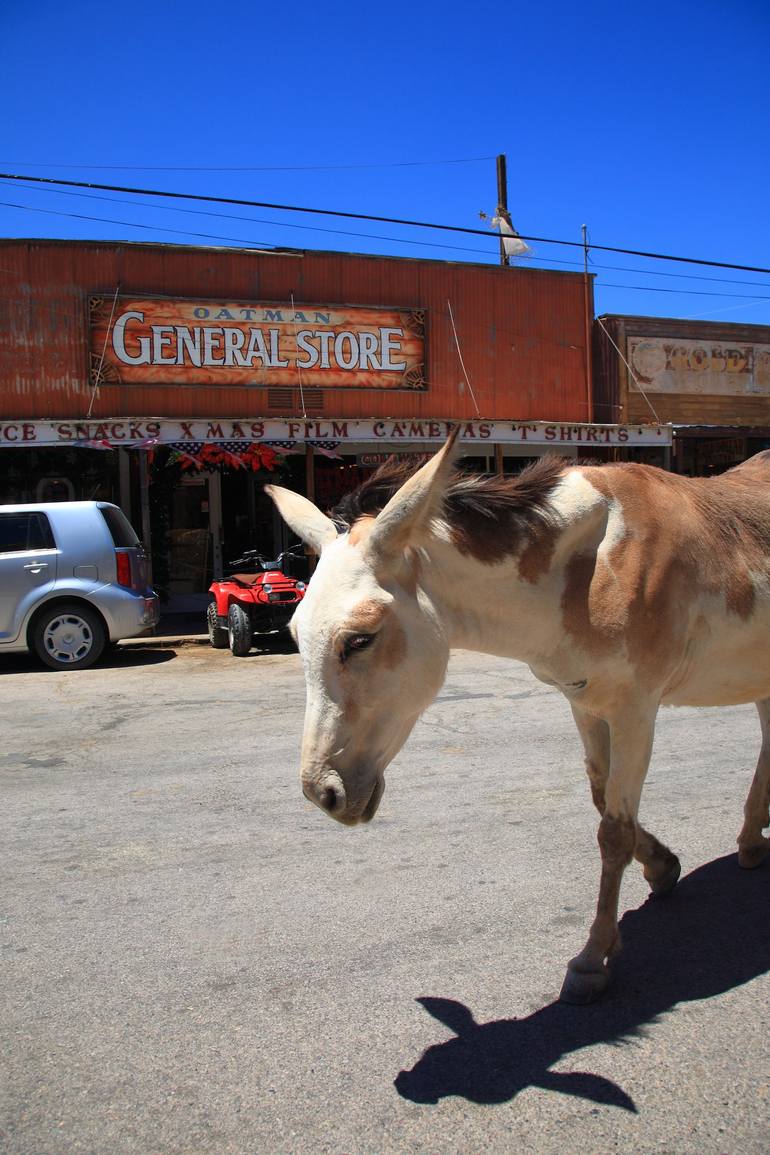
(489, 515)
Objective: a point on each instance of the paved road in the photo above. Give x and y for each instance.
(194, 959)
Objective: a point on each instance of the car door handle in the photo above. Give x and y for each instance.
(36, 566)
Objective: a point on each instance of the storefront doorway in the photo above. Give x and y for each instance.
(194, 541)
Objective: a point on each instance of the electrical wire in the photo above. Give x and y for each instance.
(262, 221)
(687, 292)
(600, 285)
(381, 237)
(374, 236)
(253, 168)
(132, 225)
(372, 217)
(270, 247)
(678, 276)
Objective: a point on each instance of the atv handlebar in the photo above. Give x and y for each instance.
(254, 557)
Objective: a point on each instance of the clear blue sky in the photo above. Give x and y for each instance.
(647, 121)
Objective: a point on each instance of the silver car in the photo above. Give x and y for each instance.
(73, 577)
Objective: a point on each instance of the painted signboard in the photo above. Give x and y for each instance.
(668, 365)
(475, 435)
(271, 344)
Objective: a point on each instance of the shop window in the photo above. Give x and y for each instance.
(55, 489)
(716, 454)
(58, 473)
(333, 480)
(247, 515)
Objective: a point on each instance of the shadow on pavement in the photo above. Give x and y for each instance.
(129, 657)
(115, 657)
(711, 935)
(280, 643)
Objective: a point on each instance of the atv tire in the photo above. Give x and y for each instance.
(217, 634)
(240, 632)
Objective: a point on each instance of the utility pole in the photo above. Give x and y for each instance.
(502, 201)
(588, 317)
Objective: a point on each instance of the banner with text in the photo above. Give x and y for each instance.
(477, 436)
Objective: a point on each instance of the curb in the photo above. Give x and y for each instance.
(166, 643)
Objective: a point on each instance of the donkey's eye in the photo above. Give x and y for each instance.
(355, 643)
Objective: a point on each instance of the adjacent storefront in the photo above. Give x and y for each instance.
(710, 380)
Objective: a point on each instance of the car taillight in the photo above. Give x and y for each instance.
(124, 568)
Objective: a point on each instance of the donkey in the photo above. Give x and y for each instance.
(623, 585)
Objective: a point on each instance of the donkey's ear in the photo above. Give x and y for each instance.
(409, 512)
(307, 521)
(452, 1014)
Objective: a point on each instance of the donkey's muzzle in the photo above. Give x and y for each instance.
(328, 793)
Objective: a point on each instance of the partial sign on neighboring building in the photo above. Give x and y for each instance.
(666, 365)
(239, 343)
(375, 460)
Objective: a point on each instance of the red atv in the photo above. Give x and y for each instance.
(249, 603)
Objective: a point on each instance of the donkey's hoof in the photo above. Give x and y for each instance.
(581, 987)
(755, 855)
(668, 880)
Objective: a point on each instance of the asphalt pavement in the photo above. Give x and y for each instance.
(195, 959)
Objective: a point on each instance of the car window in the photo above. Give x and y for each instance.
(119, 526)
(25, 531)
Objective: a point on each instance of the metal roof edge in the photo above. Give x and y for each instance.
(288, 252)
(700, 323)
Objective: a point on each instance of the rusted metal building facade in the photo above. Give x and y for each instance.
(709, 380)
(177, 380)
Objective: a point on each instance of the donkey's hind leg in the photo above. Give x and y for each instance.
(661, 866)
(752, 846)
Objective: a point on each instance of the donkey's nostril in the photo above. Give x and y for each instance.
(328, 798)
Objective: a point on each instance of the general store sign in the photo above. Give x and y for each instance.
(477, 436)
(186, 342)
(667, 365)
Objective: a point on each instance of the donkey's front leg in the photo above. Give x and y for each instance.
(631, 734)
(661, 866)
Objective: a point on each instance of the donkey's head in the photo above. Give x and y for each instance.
(374, 651)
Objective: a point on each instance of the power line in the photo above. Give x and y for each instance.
(253, 168)
(132, 225)
(262, 221)
(266, 245)
(372, 236)
(678, 276)
(372, 217)
(757, 298)
(685, 292)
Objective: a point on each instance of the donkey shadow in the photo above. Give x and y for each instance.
(710, 935)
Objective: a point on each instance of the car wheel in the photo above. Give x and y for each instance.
(217, 634)
(69, 637)
(239, 630)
